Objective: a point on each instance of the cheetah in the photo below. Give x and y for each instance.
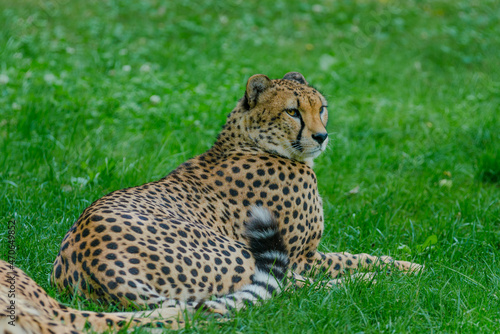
(26, 308)
(182, 238)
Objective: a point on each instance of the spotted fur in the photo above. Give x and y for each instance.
(183, 237)
(33, 311)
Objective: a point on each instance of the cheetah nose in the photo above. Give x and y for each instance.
(320, 137)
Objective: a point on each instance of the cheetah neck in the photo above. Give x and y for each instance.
(233, 136)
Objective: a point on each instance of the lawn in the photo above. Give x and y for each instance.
(100, 95)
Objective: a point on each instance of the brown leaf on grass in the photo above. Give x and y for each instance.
(353, 191)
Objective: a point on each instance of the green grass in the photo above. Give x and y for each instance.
(414, 96)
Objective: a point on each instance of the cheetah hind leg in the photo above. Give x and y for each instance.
(150, 322)
(75, 321)
(36, 312)
(271, 265)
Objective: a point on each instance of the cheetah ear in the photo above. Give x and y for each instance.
(296, 76)
(256, 85)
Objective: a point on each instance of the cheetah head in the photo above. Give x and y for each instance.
(286, 117)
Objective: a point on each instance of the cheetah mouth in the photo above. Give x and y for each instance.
(314, 152)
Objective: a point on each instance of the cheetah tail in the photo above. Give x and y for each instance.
(271, 262)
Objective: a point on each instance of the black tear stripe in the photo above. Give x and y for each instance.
(296, 143)
(302, 126)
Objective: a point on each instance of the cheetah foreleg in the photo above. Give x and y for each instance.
(338, 264)
(295, 280)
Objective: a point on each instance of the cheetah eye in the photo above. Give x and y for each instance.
(322, 110)
(292, 112)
